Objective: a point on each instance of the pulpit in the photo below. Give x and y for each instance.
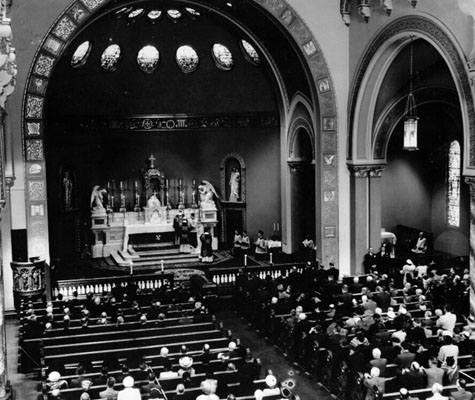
(29, 278)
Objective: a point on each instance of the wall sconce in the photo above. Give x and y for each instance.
(410, 117)
(345, 11)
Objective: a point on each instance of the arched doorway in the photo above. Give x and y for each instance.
(376, 115)
(297, 42)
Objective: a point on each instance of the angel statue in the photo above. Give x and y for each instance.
(96, 199)
(207, 194)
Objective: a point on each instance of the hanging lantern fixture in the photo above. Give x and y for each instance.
(410, 117)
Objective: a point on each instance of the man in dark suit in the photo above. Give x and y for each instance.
(461, 393)
(345, 302)
(370, 261)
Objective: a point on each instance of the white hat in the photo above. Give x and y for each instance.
(391, 315)
(271, 381)
(232, 346)
(302, 316)
(54, 376)
(185, 362)
(298, 309)
(164, 352)
(274, 300)
(378, 310)
(128, 382)
(258, 394)
(402, 310)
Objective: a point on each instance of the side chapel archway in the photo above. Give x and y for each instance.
(76, 15)
(367, 146)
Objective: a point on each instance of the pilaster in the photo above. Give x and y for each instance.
(471, 181)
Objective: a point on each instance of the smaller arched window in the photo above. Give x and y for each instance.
(453, 185)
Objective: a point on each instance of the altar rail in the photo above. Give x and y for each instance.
(99, 286)
(223, 277)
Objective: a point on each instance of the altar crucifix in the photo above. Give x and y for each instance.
(154, 181)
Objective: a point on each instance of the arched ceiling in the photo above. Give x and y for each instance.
(89, 90)
(429, 70)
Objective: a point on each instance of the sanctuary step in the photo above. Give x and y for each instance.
(152, 255)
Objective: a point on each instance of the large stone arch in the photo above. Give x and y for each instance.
(57, 38)
(368, 139)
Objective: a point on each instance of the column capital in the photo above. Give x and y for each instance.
(296, 166)
(365, 171)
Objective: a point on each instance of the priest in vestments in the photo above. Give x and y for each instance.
(206, 246)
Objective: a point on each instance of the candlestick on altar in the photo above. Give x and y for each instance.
(161, 263)
(131, 268)
(245, 260)
(136, 185)
(270, 258)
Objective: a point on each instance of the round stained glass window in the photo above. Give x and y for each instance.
(250, 53)
(148, 58)
(110, 57)
(154, 14)
(79, 57)
(187, 59)
(192, 12)
(174, 14)
(122, 11)
(136, 13)
(222, 56)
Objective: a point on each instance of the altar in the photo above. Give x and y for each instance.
(165, 207)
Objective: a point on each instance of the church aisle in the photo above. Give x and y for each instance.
(271, 358)
(23, 386)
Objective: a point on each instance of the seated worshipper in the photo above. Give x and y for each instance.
(378, 362)
(421, 244)
(261, 246)
(55, 381)
(110, 393)
(462, 393)
(186, 365)
(272, 388)
(414, 378)
(437, 392)
(404, 395)
(374, 383)
(152, 384)
(207, 389)
(434, 373)
(129, 392)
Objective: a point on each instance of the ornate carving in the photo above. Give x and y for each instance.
(329, 195)
(423, 25)
(34, 106)
(33, 128)
(78, 12)
(38, 85)
(287, 17)
(323, 85)
(329, 142)
(52, 45)
(365, 171)
(310, 48)
(34, 150)
(470, 180)
(92, 4)
(37, 190)
(296, 166)
(43, 65)
(329, 179)
(328, 123)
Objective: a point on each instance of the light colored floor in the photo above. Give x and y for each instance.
(23, 386)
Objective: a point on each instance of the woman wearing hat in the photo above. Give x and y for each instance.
(186, 365)
(55, 381)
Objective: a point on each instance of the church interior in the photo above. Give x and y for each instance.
(221, 199)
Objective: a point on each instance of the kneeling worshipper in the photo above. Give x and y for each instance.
(421, 244)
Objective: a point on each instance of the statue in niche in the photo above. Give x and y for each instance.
(234, 185)
(97, 198)
(67, 191)
(207, 195)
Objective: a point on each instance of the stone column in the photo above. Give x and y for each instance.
(375, 173)
(365, 189)
(296, 168)
(471, 181)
